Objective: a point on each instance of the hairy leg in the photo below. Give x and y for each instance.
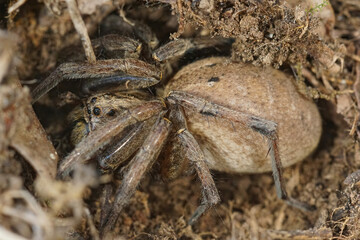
(264, 127)
(180, 47)
(210, 195)
(124, 145)
(122, 74)
(190, 149)
(142, 161)
(105, 201)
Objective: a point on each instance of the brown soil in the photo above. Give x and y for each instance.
(326, 62)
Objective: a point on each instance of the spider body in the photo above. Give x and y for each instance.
(214, 113)
(228, 146)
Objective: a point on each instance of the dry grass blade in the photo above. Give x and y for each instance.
(81, 29)
(16, 6)
(34, 215)
(311, 234)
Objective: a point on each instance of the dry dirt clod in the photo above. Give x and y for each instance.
(268, 32)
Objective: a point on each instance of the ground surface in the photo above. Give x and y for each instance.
(266, 34)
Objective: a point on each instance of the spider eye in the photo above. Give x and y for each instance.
(93, 100)
(96, 111)
(111, 113)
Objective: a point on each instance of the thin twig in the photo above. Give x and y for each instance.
(354, 125)
(81, 29)
(16, 6)
(6, 52)
(356, 86)
(305, 27)
(93, 231)
(356, 89)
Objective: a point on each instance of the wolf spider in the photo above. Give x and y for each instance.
(214, 113)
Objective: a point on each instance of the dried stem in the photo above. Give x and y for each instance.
(6, 53)
(81, 29)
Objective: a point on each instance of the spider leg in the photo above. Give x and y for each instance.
(124, 146)
(114, 46)
(141, 162)
(174, 48)
(268, 129)
(116, 84)
(101, 137)
(123, 74)
(210, 195)
(105, 201)
(180, 47)
(190, 149)
(264, 127)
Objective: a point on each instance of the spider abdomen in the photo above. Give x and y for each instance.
(262, 92)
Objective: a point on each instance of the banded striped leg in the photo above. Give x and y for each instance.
(194, 154)
(142, 161)
(264, 127)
